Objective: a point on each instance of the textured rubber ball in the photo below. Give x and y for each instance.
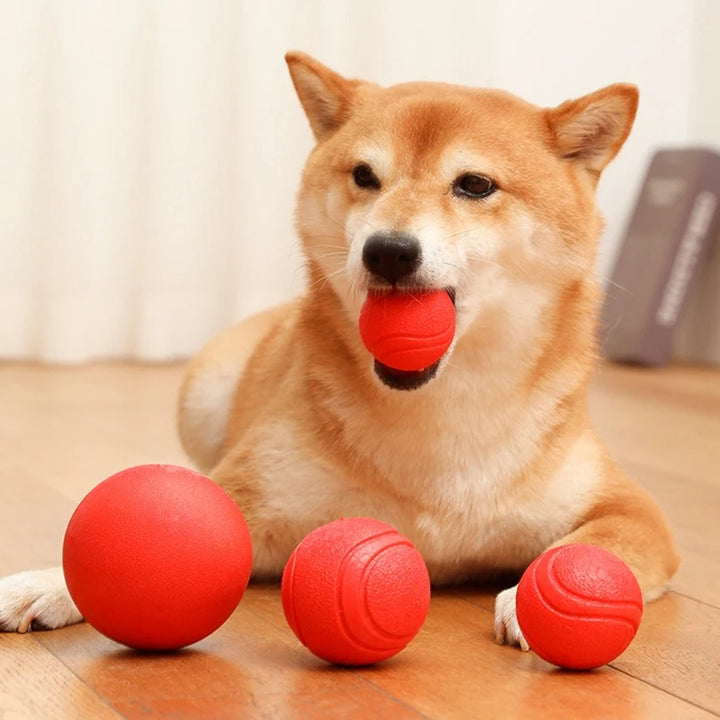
(355, 591)
(579, 606)
(157, 557)
(407, 331)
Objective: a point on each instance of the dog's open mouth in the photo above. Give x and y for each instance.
(408, 334)
(405, 379)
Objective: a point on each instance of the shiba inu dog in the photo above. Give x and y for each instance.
(487, 458)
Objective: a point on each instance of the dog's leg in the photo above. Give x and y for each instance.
(625, 521)
(36, 599)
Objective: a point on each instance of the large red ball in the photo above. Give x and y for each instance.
(579, 606)
(355, 591)
(157, 557)
(407, 331)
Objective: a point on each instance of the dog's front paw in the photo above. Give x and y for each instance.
(507, 630)
(36, 599)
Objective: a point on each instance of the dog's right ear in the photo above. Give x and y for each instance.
(325, 96)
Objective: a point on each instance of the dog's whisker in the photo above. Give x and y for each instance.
(334, 245)
(484, 260)
(321, 282)
(467, 231)
(612, 283)
(334, 257)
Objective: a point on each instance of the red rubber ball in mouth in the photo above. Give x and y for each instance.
(578, 606)
(157, 557)
(355, 591)
(407, 331)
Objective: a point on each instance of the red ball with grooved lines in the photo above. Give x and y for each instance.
(407, 331)
(157, 557)
(355, 591)
(579, 606)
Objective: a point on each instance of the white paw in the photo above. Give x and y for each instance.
(507, 630)
(36, 598)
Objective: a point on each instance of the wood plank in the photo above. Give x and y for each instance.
(653, 419)
(676, 649)
(270, 672)
(320, 704)
(93, 421)
(34, 518)
(459, 630)
(458, 672)
(678, 384)
(35, 684)
(247, 668)
(663, 427)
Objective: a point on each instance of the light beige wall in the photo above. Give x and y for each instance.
(150, 149)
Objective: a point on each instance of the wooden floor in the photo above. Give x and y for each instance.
(64, 430)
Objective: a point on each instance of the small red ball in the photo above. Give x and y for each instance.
(407, 331)
(355, 591)
(157, 557)
(579, 606)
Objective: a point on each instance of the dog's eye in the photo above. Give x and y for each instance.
(474, 186)
(364, 177)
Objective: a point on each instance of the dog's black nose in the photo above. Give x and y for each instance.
(392, 257)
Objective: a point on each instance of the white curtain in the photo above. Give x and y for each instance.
(150, 149)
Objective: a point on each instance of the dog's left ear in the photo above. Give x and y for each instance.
(326, 96)
(592, 129)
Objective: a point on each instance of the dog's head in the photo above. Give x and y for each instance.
(425, 186)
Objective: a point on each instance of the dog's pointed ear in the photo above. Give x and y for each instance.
(326, 96)
(592, 129)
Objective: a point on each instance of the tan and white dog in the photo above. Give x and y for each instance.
(484, 460)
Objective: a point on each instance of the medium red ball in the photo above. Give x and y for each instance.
(355, 591)
(407, 331)
(157, 557)
(579, 606)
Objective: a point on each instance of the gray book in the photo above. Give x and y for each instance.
(667, 241)
(697, 336)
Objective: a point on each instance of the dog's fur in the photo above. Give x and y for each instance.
(486, 462)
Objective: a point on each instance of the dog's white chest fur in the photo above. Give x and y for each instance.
(487, 522)
(453, 487)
